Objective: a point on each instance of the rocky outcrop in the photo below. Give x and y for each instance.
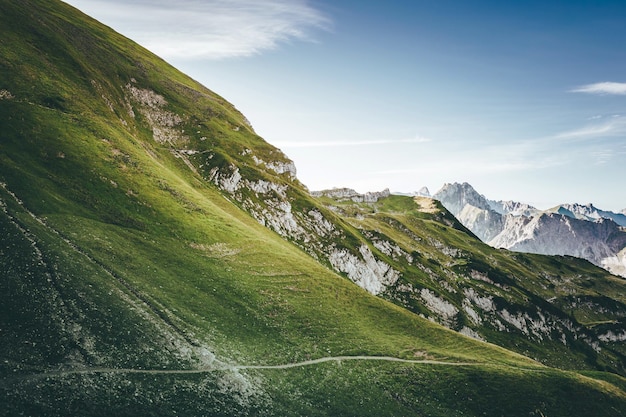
(152, 107)
(365, 270)
(6, 95)
(279, 167)
(269, 196)
(513, 207)
(456, 196)
(345, 194)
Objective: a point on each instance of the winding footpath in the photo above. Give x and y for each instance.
(355, 358)
(235, 368)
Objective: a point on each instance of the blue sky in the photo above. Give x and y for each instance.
(524, 100)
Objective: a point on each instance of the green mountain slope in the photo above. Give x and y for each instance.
(561, 311)
(139, 277)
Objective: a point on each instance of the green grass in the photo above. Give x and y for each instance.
(442, 256)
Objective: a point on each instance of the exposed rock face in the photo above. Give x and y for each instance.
(423, 192)
(513, 207)
(365, 271)
(342, 194)
(6, 95)
(270, 201)
(456, 196)
(163, 122)
(484, 223)
(616, 264)
(446, 311)
(279, 167)
(554, 234)
(576, 230)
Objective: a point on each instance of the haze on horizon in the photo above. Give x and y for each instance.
(524, 101)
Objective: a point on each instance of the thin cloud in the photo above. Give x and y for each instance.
(616, 125)
(210, 29)
(498, 159)
(603, 88)
(603, 156)
(338, 144)
(462, 167)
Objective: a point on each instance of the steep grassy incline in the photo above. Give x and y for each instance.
(131, 286)
(561, 311)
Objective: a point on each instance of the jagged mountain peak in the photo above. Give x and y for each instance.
(588, 212)
(423, 192)
(457, 195)
(513, 207)
(580, 230)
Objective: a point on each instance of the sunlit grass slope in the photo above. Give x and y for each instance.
(555, 306)
(122, 268)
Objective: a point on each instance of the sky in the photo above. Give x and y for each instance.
(526, 100)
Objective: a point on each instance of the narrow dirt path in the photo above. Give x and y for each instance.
(235, 368)
(355, 358)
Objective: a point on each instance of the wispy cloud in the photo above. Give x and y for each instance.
(213, 29)
(603, 88)
(614, 126)
(358, 143)
(603, 156)
(497, 159)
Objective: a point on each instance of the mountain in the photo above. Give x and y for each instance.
(570, 229)
(422, 192)
(472, 209)
(513, 207)
(160, 258)
(588, 212)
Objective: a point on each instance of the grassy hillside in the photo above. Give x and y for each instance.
(561, 311)
(133, 284)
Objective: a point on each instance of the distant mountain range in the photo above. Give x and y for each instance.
(584, 231)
